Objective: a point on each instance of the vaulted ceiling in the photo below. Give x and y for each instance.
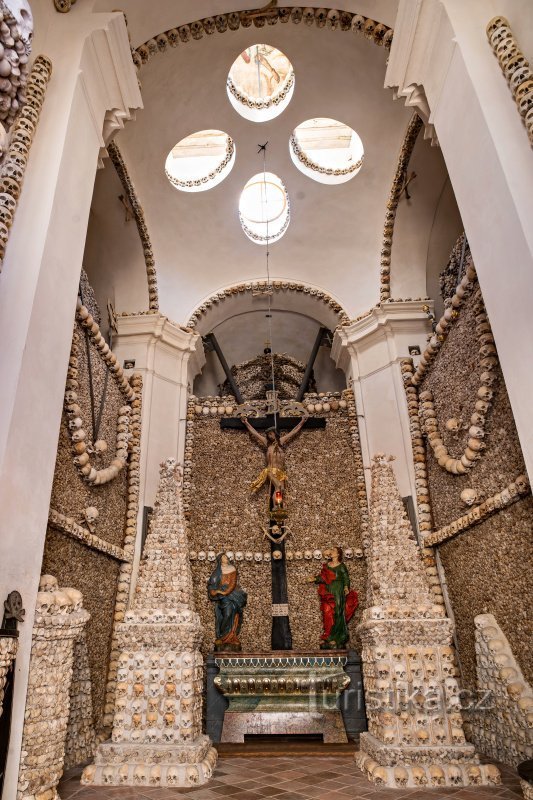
(334, 238)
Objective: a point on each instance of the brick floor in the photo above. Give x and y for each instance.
(293, 778)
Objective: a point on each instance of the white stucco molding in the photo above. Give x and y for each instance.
(422, 35)
(140, 333)
(395, 325)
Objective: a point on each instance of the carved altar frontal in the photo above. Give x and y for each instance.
(282, 693)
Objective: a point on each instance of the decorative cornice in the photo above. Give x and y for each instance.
(118, 162)
(397, 187)
(515, 68)
(14, 165)
(321, 17)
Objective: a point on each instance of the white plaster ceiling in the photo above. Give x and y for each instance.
(334, 237)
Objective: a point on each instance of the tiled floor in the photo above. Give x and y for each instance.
(296, 778)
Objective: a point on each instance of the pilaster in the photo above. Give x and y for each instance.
(369, 350)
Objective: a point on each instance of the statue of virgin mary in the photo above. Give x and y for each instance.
(229, 599)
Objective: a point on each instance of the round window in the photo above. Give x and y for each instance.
(264, 208)
(326, 150)
(260, 83)
(200, 161)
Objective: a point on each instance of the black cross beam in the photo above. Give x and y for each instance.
(263, 423)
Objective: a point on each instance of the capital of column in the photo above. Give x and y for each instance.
(157, 345)
(381, 337)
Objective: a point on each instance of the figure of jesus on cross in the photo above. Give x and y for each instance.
(274, 471)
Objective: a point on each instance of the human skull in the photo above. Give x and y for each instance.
(277, 555)
(202, 555)
(289, 555)
(193, 555)
(258, 557)
(348, 553)
(91, 517)
(211, 555)
(469, 497)
(522, 483)
(317, 555)
(249, 556)
(401, 776)
(419, 776)
(239, 555)
(358, 553)
(308, 555)
(436, 775)
(47, 583)
(453, 425)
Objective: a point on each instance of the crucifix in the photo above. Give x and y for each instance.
(275, 478)
(268, 431)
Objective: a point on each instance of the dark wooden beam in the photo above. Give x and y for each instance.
(310, 363)
(212, 339)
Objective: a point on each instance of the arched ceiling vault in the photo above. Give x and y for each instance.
(335, 234)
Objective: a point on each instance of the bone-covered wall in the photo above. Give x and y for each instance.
(225, 516)
(488, 566)
(78, 558)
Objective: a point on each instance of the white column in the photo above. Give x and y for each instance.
(168, 357)
(369, 351)
(93, 87)
(442, 63)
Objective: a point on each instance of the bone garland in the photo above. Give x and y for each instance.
(398, 182)
(360, 481)
(415, 731)
(14, 166)
(441, 329)
(310, 164)
(8, 652)
(67, 525)
(77, 434)
(59, 621)
(506, 734)
(422, 498)
(515, 68)
(264, 102)
(515, 491)
(130, 534)
(258, 558)
(485, 393)
(187, 464)
(323, 18)
(454, 271)
(230, 150)
(263, 287)
(157, 723)
(118, 162)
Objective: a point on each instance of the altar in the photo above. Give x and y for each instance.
(285, 693)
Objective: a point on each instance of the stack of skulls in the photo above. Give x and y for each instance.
(20, 141)
(501, 725)
(415, 731)
(80, 740)
(16, 32)
(59, 621)
(157, 738)
(8, 651)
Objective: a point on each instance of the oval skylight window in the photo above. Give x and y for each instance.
(200, 161)
(264, 208)
(260, 83)
(326, 150)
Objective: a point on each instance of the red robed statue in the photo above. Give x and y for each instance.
(337, 601)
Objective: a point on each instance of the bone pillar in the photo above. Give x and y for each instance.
(59, 621)
(415, 731)
(157, 729)
(369, 350)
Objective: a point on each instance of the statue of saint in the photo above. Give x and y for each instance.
(224, 591)
(337, 601)
(274, 471)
